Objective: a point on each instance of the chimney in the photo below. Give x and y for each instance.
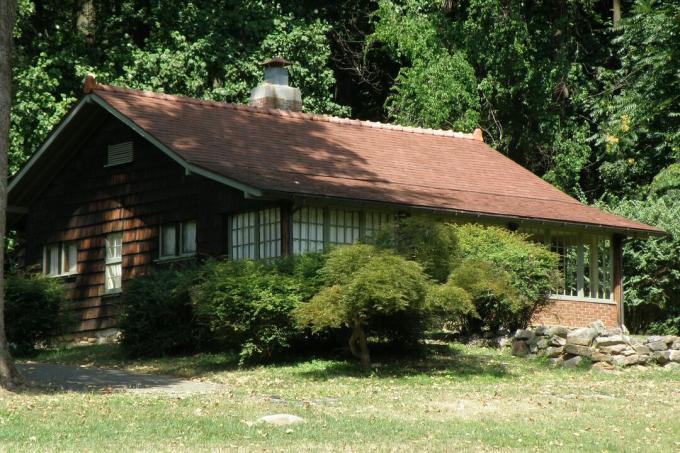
(274, 92)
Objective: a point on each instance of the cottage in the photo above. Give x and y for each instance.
(131, 179)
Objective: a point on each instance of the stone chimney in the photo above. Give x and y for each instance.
(274, 92)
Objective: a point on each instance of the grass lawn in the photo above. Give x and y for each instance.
(464, 398)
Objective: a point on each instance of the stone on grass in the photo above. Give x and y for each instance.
(609, 341)
(597, 356)
(524, 334)
(554, 351)
(520, 348)
(577, 349)
(556, 361)
(657, 345)
(672, 366)
(583, 336)
(603, 366)
(573, 362)
(281, 419)
(621, 361)
(662, 357)
(559, 331)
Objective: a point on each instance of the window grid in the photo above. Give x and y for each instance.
(60, 258)
(308, 230)
(343, 226)
(269, 221)
(114, 260)
(243, 241)
(374, 221)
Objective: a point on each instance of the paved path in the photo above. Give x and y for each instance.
(88, 379)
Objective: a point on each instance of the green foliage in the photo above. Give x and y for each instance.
(652, 266)
(34, 311)
(157, 317)
(247, 307)
(374, 289)
(508, 276)
(422, 239)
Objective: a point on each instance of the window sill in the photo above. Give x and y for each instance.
(176, 258)
(583, 299)
(112, 293)
(70, 276)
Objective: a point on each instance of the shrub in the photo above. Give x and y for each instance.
(157, 316)
(422, 239)
(363, 284)
(247, 305)
(34, 311)
(519, 275)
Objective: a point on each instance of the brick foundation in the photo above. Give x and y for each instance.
(576, 313)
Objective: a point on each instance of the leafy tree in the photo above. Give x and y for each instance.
(363, 283)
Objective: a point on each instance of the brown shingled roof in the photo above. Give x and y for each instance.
(315, 155)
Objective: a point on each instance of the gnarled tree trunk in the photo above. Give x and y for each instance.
(358, 345)
(9, 376)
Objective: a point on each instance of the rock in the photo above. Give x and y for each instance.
(520, 348)
(597, 356)
(672, 366)
(642, 349)
(628, 351)
(598, 326)
(542, 343)
(577, 349)
(533, 349)
(280, 419)
(609, 341)
(504, 342)
(644, 359)
(559, 331)
(621, 361)
(554, 351)
(657, 345)
(557, 361)
(674, 355)
(612, 332)
(605, 366)
(615, 349)
(661, 357)
(583, 336)
(676, 345)
(573, 362)
(557, 341)
(541, 331)
(524, 334)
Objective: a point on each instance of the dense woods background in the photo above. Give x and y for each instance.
(590, 106)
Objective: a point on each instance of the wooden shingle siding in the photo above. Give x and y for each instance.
(87, 200)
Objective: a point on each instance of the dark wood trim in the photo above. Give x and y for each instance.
(617, 264)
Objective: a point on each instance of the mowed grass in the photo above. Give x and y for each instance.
(462, 399)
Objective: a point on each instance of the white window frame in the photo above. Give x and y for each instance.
(113, 262)
(62, 255)
(587, 260)
(255, 234)
(180, 249)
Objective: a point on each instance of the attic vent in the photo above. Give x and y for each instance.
(119, 154)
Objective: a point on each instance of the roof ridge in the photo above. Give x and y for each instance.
(285, 113)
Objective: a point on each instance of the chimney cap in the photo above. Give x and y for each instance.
(276, 62)
(90, 83)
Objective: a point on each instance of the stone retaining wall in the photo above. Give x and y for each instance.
(605, 348)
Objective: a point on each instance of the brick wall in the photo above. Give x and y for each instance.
(574, 313)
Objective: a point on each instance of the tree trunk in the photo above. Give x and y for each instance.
(358, 345)
(9, 375)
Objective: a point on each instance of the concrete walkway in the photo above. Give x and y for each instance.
(89, 379)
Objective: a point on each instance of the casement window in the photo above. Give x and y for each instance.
(114, 263)
(314, 228)
(60, 258)
(119, 154)
(586, 264)
(255, 234)
(177, 240)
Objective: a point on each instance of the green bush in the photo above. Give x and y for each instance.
(422, 239)
(157, 316)
(34, 311)
(520, 275)
(247, 305)
(365, 285)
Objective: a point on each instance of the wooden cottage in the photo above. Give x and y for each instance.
(131, 179)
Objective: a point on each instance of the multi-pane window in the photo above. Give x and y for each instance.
(374, 221)
(60, 258)
(255, 234)
(308, 230)
(178, 239)
(586, 266)
(114, 262)
(343, 226)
